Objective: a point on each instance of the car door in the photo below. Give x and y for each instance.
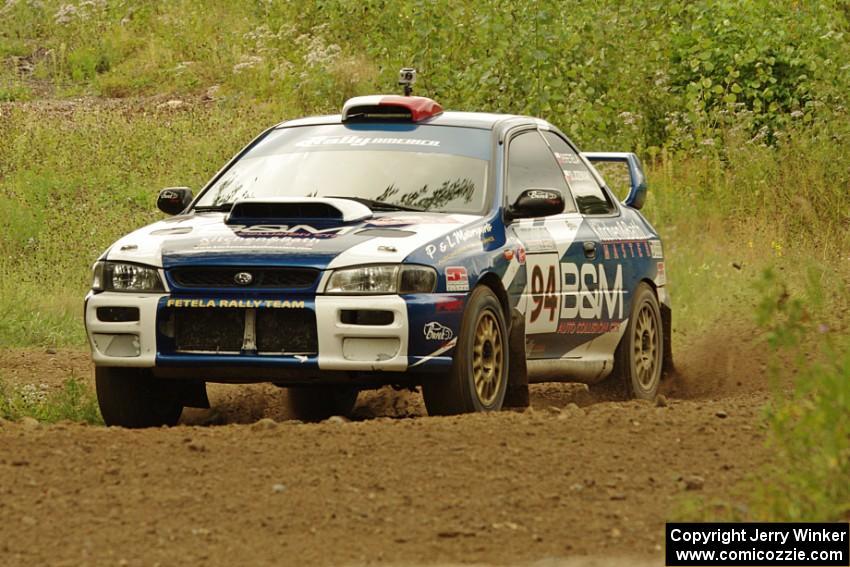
(547, 243)
(597, 271)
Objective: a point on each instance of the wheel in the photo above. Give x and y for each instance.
(638, 360)
(132, 397)
(316, 403)
(479, 374)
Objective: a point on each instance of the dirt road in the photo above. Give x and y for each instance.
(548, 486)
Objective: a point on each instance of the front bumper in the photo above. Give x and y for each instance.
(343, 347)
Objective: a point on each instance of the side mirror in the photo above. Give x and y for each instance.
(637, 191)
(174, 200)
(536, 203)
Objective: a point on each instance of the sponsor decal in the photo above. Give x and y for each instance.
(404, 220)
(291, 231)
(545, 195)
(588, 293)
(273, 242)
(460, 236)
(588, 327)
(564, 290)
(567, 158)
(471, 246)
(536, 239)
(520, 255)
(657, 250)
(626, 249)
(577, 175)
(457, 279)
(359, 141)
(436, 332)
(243, 303)
(620, 230)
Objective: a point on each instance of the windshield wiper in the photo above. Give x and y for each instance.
(222, 208)
(378, 205)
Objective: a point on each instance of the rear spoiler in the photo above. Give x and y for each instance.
(637, 192)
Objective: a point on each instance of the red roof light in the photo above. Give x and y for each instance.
(380, 107)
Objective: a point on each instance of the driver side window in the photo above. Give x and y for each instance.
(591, 199)
(531, 165)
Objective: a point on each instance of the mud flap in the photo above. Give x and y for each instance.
(667, 368)
(516, 395)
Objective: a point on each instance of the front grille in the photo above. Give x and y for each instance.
(286, 330)
(263, 278)
(222, 330)
(211, 330)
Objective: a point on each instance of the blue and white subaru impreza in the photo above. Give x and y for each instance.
(466, 253)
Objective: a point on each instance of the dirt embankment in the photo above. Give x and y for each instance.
(570, 478)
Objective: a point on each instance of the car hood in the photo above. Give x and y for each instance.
(211, 239)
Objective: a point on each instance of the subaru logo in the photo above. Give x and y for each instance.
(243, 278)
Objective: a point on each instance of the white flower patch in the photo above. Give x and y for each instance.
(247, 62)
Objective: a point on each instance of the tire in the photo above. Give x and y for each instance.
(132, 397)
(317, 403)
(479, 375)
(638, 360)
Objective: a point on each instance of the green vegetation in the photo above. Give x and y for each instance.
(738, 108)
(809, 425)
(73, 401)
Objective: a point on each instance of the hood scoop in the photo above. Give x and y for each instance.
(322, 209)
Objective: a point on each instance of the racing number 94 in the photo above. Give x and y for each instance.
(543, 309)
(543, 295)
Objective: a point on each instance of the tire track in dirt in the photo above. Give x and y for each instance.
(506, 487)
(569, 478)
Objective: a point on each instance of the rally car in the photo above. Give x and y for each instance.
(464, 253)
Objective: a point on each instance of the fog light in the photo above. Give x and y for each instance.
(117, 314)
(370, 317)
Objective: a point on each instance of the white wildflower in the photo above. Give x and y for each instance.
(320, 53)
(32, 395)
(281, 70)
(629, 118)
(247, 62)
(7, 7)
(797, 114)
(65, 14)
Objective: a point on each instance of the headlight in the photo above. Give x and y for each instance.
(119, 276)
(391, 278)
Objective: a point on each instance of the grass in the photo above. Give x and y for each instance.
(808, 425)
(77, 176)
(73, 401)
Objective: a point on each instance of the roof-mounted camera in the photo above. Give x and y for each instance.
(406, 78)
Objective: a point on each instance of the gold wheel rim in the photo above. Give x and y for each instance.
(646, 348)
(487, 358)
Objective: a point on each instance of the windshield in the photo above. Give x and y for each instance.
(409, 166)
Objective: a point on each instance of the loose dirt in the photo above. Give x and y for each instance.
(572, 481)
